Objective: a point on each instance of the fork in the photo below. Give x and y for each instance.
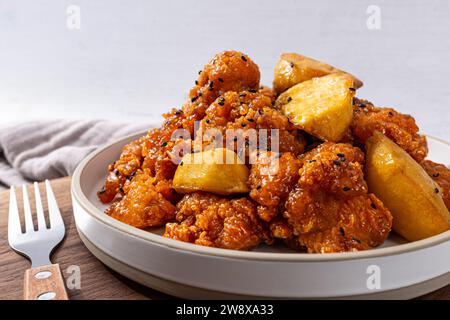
(43, 281)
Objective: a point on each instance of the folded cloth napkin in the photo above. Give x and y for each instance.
(39, 150)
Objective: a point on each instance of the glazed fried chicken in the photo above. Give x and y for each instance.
(209, 220)
(143, 204)
(400, 128)
(330, 209)
(441, 175)
(271, 179)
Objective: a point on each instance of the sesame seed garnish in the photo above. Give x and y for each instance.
(102, 191)
(435, 175)
(243, 124)
(373, 205)
(207, 121)
(220, 80)
(342, 231)
(341, 155)
(196, 82)
(200, 72)
(289, 99)
(352, 89)
(356, 239)
(178, 112)
(252, 90)
(181, 163)
(390, 113)
(250, 120)
(337, 162)
(242, 95)
(244, 58)
(164, 144)
(311, 161)
(258, 187)
(211, 84)
(193, 99)
(346, 189)
(235, 139)
(292, 65)
(436, 190)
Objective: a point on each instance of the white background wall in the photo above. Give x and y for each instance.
(131, 60)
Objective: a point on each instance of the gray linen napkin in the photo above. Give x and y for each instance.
(34, 151)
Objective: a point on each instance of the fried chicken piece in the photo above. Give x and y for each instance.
(129, 161)
(400, 128)
(209, 220)
(441, 175)
(330, 209)
(271, 179)
(227, 71)
(142, 205)
(245, 114)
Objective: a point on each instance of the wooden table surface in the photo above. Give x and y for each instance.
(97, 280)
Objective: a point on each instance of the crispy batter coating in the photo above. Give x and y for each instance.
(330, 210)
(271, 179)
(247, 111)
(142, 206)
(400, 128)
(441, 175)
(214, 221)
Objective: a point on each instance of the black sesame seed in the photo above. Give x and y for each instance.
(200, 94)
(258, 187)
(346, 189)
(211, 84)
(207, 120)
(373, 205)
(116, 172)
(435, 175)
(289, 99)
(196, 82)
(342, 231)
(436, 190)
(164, 144)
(292, 65)
(102, 191)
(221, 103)
(235, 139)
(243, 124)
(181, 163)
(252, 90)
(390, 114)
(352, 89)
(200, 72)
(178, 112)
(356, 239)
(311, 161)
(220, 80)
(244, 58)
(341, 155)
(242, 95)
(250, 120)
(337, 162)
(193, 99)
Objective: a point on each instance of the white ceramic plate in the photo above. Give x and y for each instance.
(404, 270)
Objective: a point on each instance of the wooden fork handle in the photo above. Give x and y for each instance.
(44, 283)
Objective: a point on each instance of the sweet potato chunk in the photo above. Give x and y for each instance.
(293, 68)
(218, 171)
(414, 199)
(320, 106)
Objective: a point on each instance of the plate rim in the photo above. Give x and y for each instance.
(99, 215)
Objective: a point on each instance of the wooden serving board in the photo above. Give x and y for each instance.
(97, 280)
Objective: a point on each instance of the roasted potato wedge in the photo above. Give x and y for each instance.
(293, 68)
(320, 106)
(218, 171)
(414, 199)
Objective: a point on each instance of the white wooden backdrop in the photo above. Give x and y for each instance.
(131, 60)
